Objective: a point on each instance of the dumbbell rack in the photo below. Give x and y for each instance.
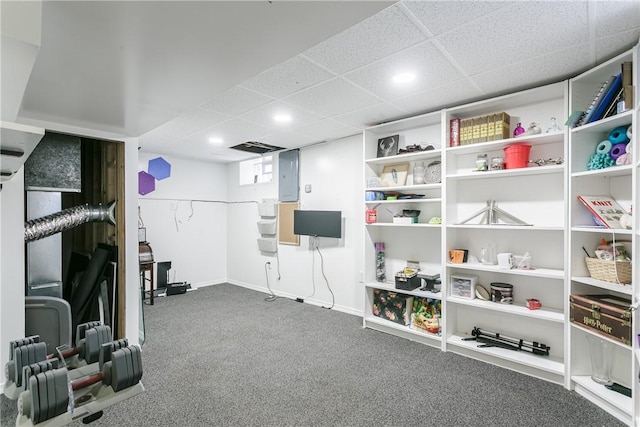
(103, 398)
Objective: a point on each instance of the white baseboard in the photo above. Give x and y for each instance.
(312, 301)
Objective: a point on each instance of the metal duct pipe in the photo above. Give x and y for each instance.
(48, 225)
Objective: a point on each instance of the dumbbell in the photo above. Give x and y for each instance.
(48, 392)
(26, 351)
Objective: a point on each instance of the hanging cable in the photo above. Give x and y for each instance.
(313, 241)
(333, 298)
(272, 297)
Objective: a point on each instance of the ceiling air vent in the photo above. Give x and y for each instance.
(256, 147)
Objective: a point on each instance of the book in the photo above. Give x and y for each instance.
(606, 99)
(454, 132)
(604, 209)
(574, 118)
(627, 84)
(590, 109)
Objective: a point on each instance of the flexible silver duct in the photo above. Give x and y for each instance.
(46, 226)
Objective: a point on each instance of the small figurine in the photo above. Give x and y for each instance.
(534, 129)
(553, 126)
(518, 130)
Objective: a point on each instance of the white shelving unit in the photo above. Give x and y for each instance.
(621, 183)
(557, 228)
(418, 242)
(535, 195)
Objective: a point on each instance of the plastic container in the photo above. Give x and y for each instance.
(517, 156)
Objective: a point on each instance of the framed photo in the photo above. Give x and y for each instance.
(388, 146)
(394, 175)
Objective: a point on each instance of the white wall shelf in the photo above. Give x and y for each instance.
(545, 313)
(548, 273)
(559, 226)
(391, 287)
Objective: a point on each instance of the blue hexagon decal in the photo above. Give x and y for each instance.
(159, 168)
(146, 183)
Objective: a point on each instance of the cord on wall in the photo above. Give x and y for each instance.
(272, 297)
(333, 298)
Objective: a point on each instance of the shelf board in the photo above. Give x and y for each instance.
(602, 336)
(605, 172)
(598, 229)
(481, 147)
(623, 289)
(620, 401)
(403, 158)
(508, 227)
(418, 225)
(551, 364)
(533, 170)
(549, 314)
(537, 272)
(391, 202)
(391, 287)
(418, 187)
(605, 125)
(371, 320)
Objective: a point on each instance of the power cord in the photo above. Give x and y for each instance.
(272, 297)
(333, 298)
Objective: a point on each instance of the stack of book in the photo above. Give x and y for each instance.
(605, 102)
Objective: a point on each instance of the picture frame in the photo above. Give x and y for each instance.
(394, 175)
(388, 146)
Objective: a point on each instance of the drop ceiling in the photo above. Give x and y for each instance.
(176, 74)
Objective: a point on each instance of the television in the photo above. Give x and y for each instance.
(317, 223)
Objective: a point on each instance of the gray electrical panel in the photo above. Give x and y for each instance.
(288, 176)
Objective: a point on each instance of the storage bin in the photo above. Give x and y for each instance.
(606, 315)
(392, 306)
(267, 226)
(267, 245)
(609, 271)
(517, 156)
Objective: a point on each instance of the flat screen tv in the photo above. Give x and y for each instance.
(317, 223)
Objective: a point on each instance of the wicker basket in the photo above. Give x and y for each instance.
(606, 270)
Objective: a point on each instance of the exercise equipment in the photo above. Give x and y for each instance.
(29, 351)
(494, 339)
(54, 398)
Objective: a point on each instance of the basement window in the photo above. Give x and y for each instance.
(255, 171)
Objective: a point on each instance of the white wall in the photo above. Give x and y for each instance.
(334, 171)
(11, 264)
(186, 219)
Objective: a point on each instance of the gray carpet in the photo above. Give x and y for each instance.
(222, 355)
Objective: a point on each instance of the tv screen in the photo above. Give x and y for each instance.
(317, 223)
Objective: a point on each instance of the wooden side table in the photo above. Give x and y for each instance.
(144, 268)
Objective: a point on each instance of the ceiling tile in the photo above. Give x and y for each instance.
(236, 100)
(377, 37)
(187, 123)
(535, 71)
(287, 139)
(232, 132)
(429, 65)
(616, 17)
(291, 76)
(375, 114)
(525, 30)
(610, 46)
(327, 129)
(441, 16)
(333, 97)
(264, 115)
(435, 99)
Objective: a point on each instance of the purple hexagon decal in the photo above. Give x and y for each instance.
(146, 183)
(159, 168)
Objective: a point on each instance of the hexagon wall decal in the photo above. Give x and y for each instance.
(146, 183)
(159, 168)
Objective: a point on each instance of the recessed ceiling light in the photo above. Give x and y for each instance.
(282, 118)
(215, 140)
(404, 77)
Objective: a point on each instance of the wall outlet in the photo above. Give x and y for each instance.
(307, 188)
